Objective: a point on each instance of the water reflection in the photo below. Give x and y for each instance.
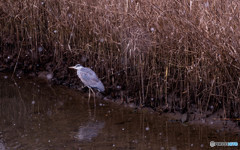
(89, 131)
(35, 115)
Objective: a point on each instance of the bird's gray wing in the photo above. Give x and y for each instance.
(88, 77)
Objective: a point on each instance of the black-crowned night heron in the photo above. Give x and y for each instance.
(89, 79)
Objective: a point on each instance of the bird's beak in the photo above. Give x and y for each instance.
(72, 67)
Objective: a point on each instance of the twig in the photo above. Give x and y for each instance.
(16, 63)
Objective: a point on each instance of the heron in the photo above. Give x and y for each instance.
(89, 79)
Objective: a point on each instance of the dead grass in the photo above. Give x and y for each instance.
(151, 49)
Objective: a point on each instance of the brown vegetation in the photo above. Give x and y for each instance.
(171, 53)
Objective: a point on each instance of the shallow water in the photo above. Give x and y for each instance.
(35, 115)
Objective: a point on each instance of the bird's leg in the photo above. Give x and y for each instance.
(89, 94)
(93, 96)
(89, 111)
(94, 99)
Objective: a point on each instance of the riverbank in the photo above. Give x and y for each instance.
(215, 121)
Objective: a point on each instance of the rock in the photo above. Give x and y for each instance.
(45, 75)
(184, 118)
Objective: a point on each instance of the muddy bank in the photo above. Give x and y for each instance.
(214, 119)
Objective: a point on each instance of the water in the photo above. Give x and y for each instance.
(35, 115)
